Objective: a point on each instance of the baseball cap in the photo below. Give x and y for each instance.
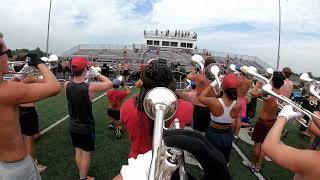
(79, 63)
(230, 81)
(116, 82)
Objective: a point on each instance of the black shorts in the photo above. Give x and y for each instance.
(29, 121)
(83, 141)
(115, 114)
(126, 72)
(201, 118)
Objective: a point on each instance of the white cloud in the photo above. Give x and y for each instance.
(115, 21)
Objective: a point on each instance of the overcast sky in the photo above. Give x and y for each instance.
(247, 27)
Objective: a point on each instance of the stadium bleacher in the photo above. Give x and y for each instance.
(115, 56)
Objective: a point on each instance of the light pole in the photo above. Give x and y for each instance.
(278, 59)
(48, 32)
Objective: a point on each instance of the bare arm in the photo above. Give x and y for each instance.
(104, 84)
(118, 177)
(300, 161)
(315, 120)
(127, 89)
(26, 93)
(256, 92)
(205, 96)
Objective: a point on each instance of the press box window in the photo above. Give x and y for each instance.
(149, 42)
(189, 45)
(174, 44)
(156, 43)
(165, 43)
(183, 45)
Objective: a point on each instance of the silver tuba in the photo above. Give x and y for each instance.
(310, 87)
(267, 90)
(198, 62)
(161, 104)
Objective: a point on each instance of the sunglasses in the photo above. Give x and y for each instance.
(7, 52)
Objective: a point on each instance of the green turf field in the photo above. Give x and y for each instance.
(54, 149)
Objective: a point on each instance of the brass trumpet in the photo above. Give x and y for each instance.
(267, 90)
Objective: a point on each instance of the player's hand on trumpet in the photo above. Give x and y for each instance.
(288, 113)
(93, 71)
(34, 60)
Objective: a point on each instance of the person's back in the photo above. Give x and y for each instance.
(80, 107)
(244, 86)
(132, 118)
(287, 87)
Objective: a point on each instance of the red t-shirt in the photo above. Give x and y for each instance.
(141, 142)
(116, 96)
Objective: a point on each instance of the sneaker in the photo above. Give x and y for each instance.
(118, 133)
(111, 125)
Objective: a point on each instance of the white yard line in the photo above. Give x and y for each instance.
(244, 157)
(66, 117)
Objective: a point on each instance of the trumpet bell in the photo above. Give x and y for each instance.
(232, 67)
(120, 78)
(270, 71)
(45, 59)
(160, 98)
(198, 61)
(53, 57)
(212, 71)
(305, 77)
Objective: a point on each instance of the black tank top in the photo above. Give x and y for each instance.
(80, 108)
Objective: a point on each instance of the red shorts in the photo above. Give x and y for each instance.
(261, 129)
(243, 103)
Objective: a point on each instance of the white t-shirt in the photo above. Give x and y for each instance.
(137, 168)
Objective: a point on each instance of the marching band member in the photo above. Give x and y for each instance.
(28, 115)
(116, 97)
(223, 112)
(139, 126)
(79, 96)
(305, 163)
(287, 87)
(242, 91)
(266, 120)
(201, 114)
(15, 163)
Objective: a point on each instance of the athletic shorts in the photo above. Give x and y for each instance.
(201, 118)
(85, 142)
(115, 114)
(29, 121)
(126, 72)
(243, 104)
(261, 129)
(20, 170)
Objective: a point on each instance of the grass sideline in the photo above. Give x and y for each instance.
(55, 150)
